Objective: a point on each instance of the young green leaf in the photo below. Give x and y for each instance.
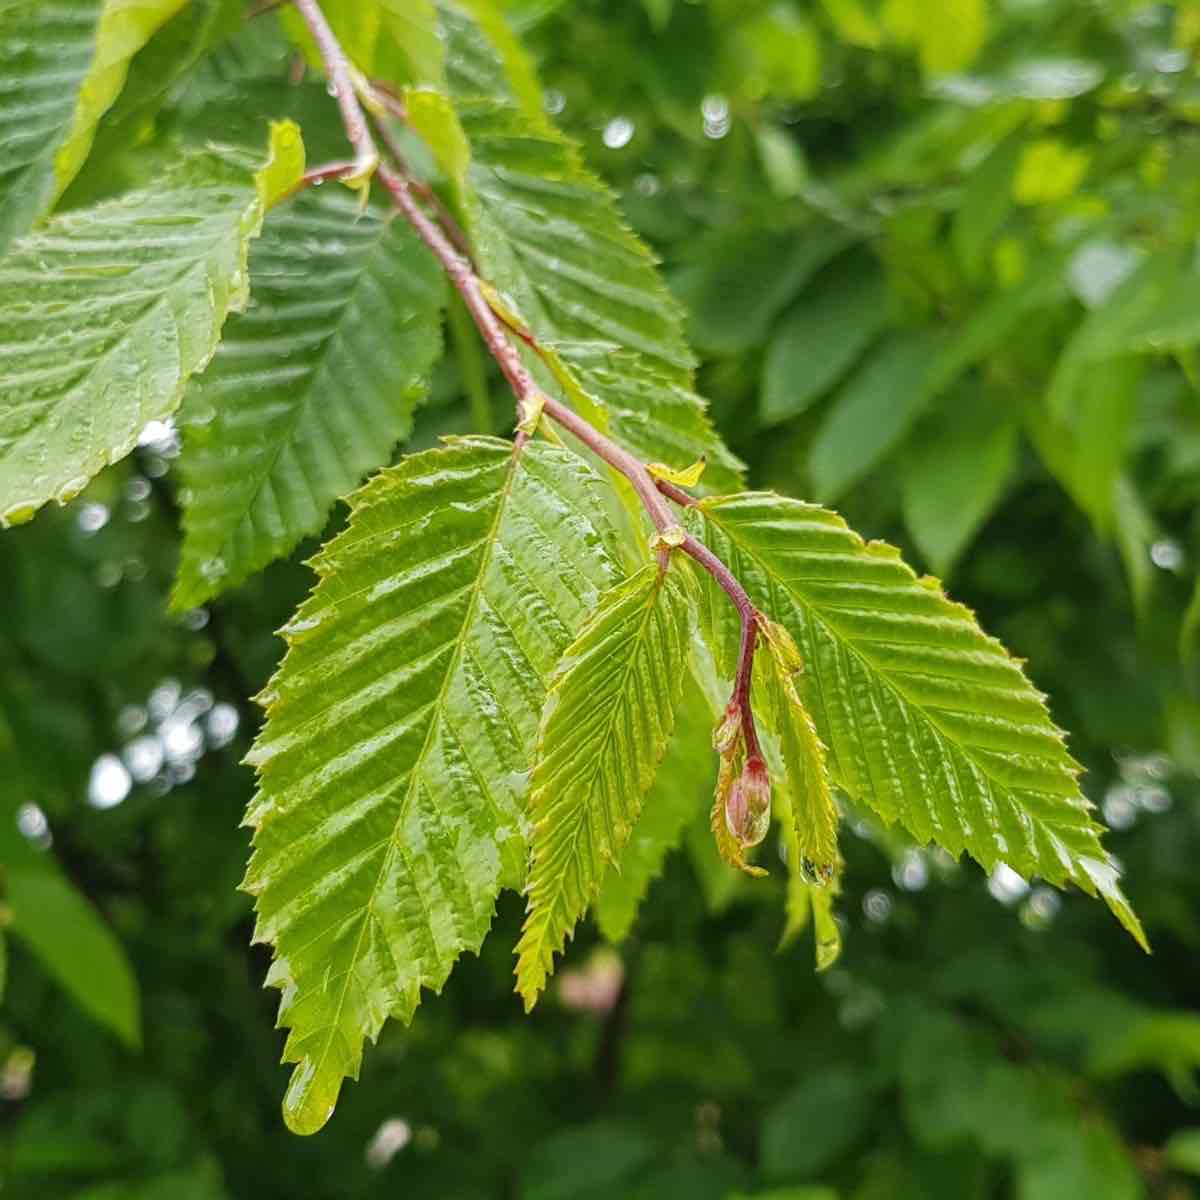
(748, 276)
(928, 721)
(607, 723)
(484, 59)
(61, 66)
(391, 767)
(680, 791)
(875, 409)
(310, 389)
(813, 810)
(106, 312)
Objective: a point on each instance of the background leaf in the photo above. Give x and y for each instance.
(310, 389)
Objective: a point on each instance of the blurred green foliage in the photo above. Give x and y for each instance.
(940, 260)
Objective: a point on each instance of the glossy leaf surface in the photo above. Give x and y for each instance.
(928, 721)
(391, 767)
(608, 719)
(310, 389)
(106, 312)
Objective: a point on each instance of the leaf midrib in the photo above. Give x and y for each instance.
(884, 677)
(652, 597)
(419, 761)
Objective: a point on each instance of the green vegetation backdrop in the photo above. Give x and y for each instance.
(939, 258)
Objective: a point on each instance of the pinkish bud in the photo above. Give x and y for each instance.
(725, 735)
(748, 806)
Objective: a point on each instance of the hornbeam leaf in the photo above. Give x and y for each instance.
(928, 721)
(62, 64)
(310, 389)
(107, 311)
(681, 790)
(812, 837)
(484, 58)
(399, 729)
(606, 725)
(550, 240)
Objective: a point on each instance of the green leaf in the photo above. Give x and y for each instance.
(813, 815)
(1182, 1151)
(746, 278)
(125, 27)
(165, 61)
(986, 205)
(1092, 1161)
(61, 66)
(955, 472)
(821, 337)
(1085, 448)
(75, 945)
(1189, 630)
(550, 240)
(681, 789)
(310, 389)
(1135, 531)
(817, 1123)
(390, 808)
(606, 726)
(1153, 309)
(483, 58)
(875, 409)
(394, 40)
(853, 23)
(586, 1160)
(947, 33)
(106, 312)
(928, 721)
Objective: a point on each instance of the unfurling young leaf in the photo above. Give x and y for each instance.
(608, 718)
(813, 811)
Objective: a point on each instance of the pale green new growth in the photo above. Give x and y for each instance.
(608, 719)
(62, 64)
(390, 809)
(812, 837)
(929, 721)
(680, 791)
(310, 389)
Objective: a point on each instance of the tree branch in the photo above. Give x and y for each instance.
(531, 401)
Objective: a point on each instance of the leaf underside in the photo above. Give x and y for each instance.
(608, 719)
(310, 389)
(928, 721)
(106, 312)
(391, 767)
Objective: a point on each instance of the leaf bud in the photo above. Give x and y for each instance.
(748, 805)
